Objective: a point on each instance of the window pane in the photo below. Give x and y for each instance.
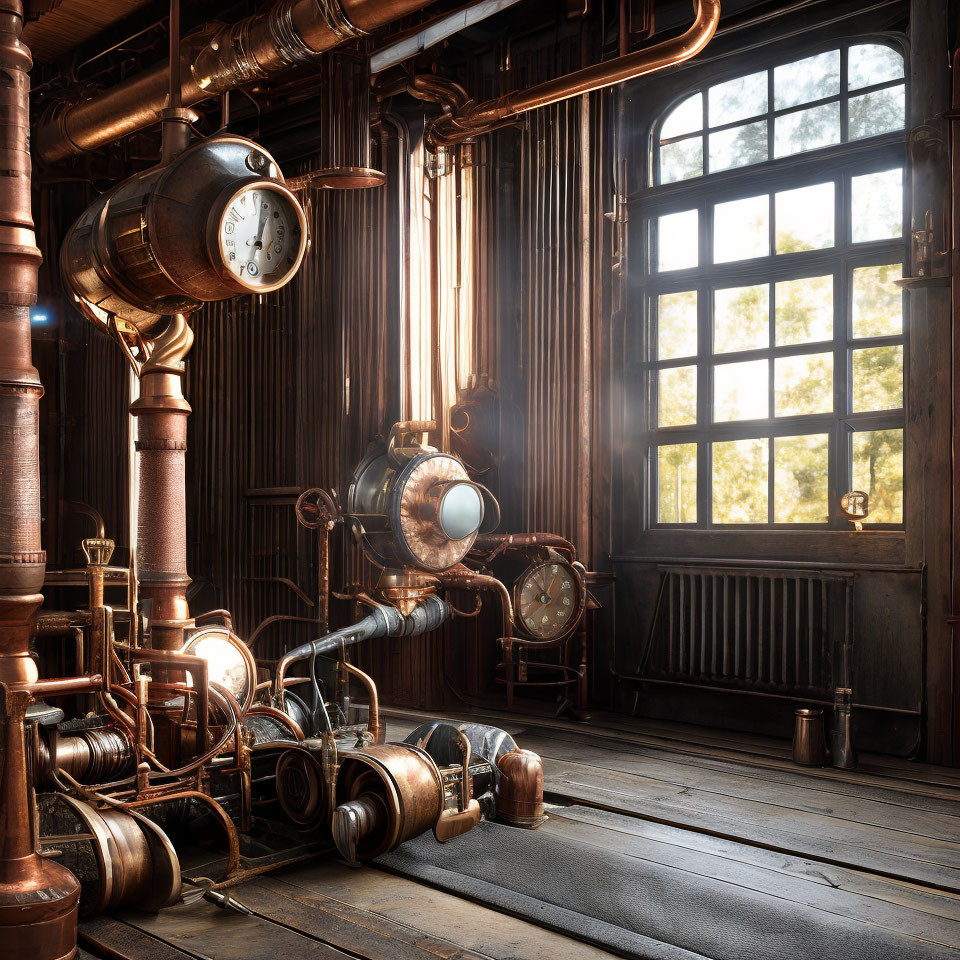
(678, 240)
(740, 390)
(741, 318)
(803, 384)
(807, 129)
(804, 218)
(741, 229)
(738, 99)
(677, 397)
(738, 146)
(677, 325)
(877, 302)
(813, 78)
(804, 310)
(875, 113)
(877, 379)
(877, 206)
(872, 63)
(681, 160)
(878, 469)
(687, 117)
(800, 479)
(740, 481)
(677, 483)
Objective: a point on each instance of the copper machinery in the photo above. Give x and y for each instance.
(169, 730)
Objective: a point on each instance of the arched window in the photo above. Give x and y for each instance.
(775, 348)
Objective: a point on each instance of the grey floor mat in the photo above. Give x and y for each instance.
(640, 908)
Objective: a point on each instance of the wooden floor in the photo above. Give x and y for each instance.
(875, 851)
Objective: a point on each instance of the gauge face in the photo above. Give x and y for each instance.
(548, 600)
(261, 237)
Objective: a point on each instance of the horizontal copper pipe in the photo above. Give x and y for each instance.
(213, 61)
(478, 118)
(62, 687)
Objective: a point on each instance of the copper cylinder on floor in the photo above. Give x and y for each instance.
(385, 794)
(520, 790)
(809, 742)
(38, 898)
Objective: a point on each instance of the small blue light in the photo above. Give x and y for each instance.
(39, 318)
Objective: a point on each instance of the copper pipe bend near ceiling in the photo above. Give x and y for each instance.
(478, 118)
(214, 60)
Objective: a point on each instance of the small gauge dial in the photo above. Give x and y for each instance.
(261, 236)
(548, 600)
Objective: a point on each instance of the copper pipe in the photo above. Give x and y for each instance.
(478, 118)
(38, 898)
(373, 718)
(162, 412)
(496, 543)
(61, 688)
(462, 578)
(22, 561)
(220, 58)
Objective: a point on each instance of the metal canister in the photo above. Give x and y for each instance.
(809, 743)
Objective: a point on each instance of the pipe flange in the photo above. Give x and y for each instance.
(338, 22)
(290, 46)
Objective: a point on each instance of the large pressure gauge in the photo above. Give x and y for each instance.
(257, 235)
(214, 222)
(549, 599)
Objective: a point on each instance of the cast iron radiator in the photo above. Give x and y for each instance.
(777, 631)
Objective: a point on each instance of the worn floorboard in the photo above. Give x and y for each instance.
(872, 854)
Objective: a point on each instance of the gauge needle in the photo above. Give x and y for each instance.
(553, 583)
(263, 223)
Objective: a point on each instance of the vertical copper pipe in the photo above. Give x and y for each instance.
(38, 898)
(162, 412)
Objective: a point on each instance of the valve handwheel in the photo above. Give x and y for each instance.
(317, 508)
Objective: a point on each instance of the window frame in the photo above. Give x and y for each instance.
(837, 163)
